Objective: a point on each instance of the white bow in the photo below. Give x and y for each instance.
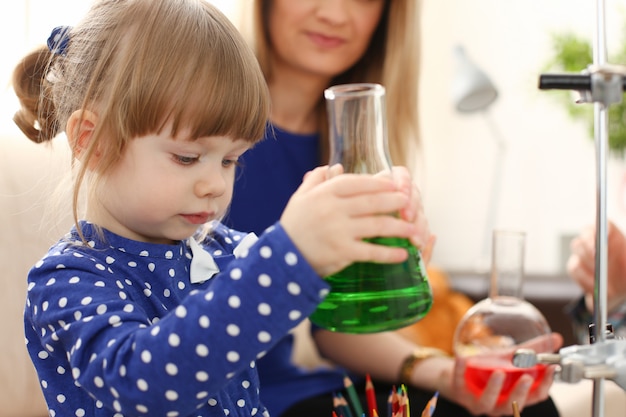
(203, 266)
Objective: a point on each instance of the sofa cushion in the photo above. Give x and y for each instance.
(29, 173)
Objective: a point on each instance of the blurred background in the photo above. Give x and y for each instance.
(545, 172)
(548, 173)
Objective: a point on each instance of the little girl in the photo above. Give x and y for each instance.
(149, 306)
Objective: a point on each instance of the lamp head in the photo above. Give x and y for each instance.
(472, 90)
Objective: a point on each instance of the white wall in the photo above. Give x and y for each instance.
(549, 174)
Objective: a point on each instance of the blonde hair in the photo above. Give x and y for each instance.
(140, 64)
(392, 59)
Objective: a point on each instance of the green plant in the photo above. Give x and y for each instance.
(573, 54)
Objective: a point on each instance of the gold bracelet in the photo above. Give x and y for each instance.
(418, 355)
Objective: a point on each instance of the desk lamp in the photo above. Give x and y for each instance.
(473, 91)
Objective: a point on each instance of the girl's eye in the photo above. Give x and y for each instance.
(229, 162)
(185, 160)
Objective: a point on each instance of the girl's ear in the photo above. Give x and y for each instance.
(79, 130)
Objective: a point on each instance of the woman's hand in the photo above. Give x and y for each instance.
(581, 264)
(414, 212)
(488, 403)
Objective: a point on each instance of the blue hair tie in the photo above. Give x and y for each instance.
(59, 39)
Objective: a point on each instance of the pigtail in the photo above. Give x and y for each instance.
(36, 117)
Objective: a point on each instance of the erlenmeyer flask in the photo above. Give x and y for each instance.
(494, 328)
(369, 297)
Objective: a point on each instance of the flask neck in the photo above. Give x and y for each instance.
(506, 283)
(357, 128)
(507, 264)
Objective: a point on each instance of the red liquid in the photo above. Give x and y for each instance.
(480, 368)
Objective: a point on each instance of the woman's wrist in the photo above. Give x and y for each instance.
(414, 358)
(425, 367)
(614, 306)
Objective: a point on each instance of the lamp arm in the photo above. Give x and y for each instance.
(496, 133)
(496, 181)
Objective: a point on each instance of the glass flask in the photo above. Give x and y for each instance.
(369, 297)
(494, 328)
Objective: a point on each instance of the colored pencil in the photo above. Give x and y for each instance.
(343, 404)
(370, 395)
(395, 401)
(515, 409)
(354, 398)
(429, 410)
(336, 406)
(404, 401)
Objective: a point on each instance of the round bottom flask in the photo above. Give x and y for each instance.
(494, 328)
(490, 333)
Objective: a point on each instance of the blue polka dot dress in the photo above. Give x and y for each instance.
(117, 328)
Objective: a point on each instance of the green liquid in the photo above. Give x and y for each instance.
(370, 297)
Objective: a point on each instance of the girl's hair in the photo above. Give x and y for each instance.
(142, 66)
(392, 59)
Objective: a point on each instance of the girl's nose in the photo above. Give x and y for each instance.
(211, 184)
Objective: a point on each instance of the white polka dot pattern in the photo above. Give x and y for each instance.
(120, 330)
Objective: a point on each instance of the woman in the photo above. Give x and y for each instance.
(305, 46)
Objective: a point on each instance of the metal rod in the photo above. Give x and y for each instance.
(606, 88)
(601, 142)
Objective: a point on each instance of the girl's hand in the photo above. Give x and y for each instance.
(328, 219)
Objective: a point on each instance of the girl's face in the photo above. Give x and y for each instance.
(163, 188)
(323, 37)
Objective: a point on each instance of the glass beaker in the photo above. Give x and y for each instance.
(369, 297)
(494, 328)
